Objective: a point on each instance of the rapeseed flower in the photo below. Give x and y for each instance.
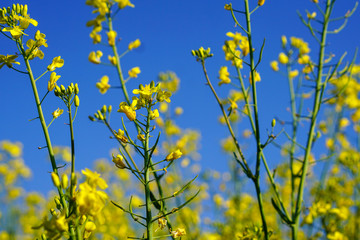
(8, 60)
(274, 65)
(134, 44)
(57, 113)
(129, 110)
(95, 57)
(224, 76)
(103, 85)
(174, 155)
(283, 58)
(111, 37)
(133, 73)
(57, 62)
(52, 82)
(124, 3)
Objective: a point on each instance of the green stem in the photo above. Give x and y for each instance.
(44, 127)
(147, 162)
(316, 108)
(257, 132)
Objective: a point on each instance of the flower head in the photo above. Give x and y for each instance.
(174, 155)
(224, 76)
(178, 233)
(103, 85)
(52, 82)
(134, 44)
(133, 73)
(57, 113)
(124, 3)
(8, 60)
(95, 57)
(57, 62)
(112, 38)
(129, 110)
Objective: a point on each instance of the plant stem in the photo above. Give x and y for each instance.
(316, 108)
(147, 162)
(44, 127)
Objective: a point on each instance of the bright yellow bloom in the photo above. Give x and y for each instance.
(178, 233)
(95, 57)
(179, 111)
(112, 60)
(283, 40)
(293, 73)
(91, 201)
(174, 155)
(89, 228)
(103, 85)
(134, 44)
(335, 236)
(25, 21)
(112, 38)
(134, 72)
(146, 92)
(94, 179)
(57, 62)
(57, 113)
(61, 223)
(241, 41)
(256, 77)
(154, 114)
(40, 39)
(129, 110)
(64, 181)
(124, 3)
(8, 60)
(33, 51)
(283, 58)
(233, 105)
(304, 59)
(52, 82)
(16, 32)
(311, 15)
(118, 160)
(274, 65)
(162, 96)
(14, 149)
(224, 76)
(344, 122)
(120, 134)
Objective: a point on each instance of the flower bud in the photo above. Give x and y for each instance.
(103, 109)
(82, 219)
(76, 89)
(64, 181)
(101, 117)
(76, 101)
(152, 84)
(261, 2)
(43, 236)
(25, 10)
(110, 109)
(55, 179)
(73, 179)
(63, 90)
(18, 9)
(273, 123)
(57, 203)
(92, 118)
(97, 116)
(53, 212)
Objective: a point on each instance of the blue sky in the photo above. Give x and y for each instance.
(168, 30)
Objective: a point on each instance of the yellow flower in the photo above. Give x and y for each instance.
(61, 223)
(141, 137)
(89, 228)
(283, 40)
(304, 59)
(57, 113)
(124, 3)
(57, 62)
(146, 92)
(16, 32)
(335, 235)
(179, 111)
(33, 51)
(94, 179)
(134, 72)
(111, 38)
(25, 21)
(283, 58)
(178, 233)
(154, 114)
(293, 73)
(52, 82)
(8, 60)
(162, 96)
(112, 60)
(134, 44)
(129, 110)
(95, 57)
(162, 222)
(174, 155)
(120, 134)
(40, 39)
(118, 160)
(103, 85)
(311, 15)
(256, 77)
(274, 65)
(224, 76)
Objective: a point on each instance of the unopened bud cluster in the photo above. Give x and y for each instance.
(201, 53)
(69, 94)
(101, 114)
